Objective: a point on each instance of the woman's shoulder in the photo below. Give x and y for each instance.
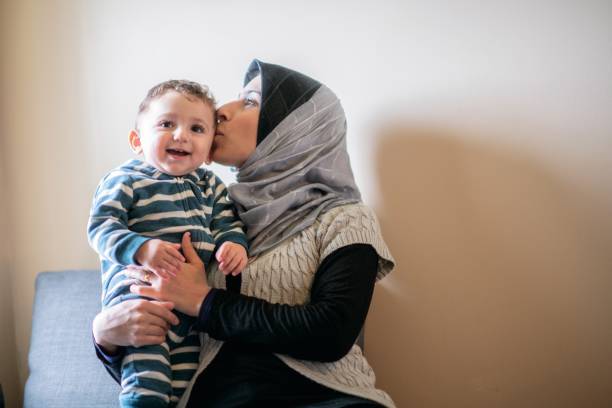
(347, 224)
(353, 224)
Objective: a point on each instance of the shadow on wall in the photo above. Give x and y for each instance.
(501, 296)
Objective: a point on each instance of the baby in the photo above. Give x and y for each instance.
(141, 211)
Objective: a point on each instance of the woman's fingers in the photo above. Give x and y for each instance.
(150, 321)
(163, 310)
(146, 291)
(134, 322)
(155, 314)
(148, 340)
(186, 290)
(152, 330)
(154, 322)
(190, 253)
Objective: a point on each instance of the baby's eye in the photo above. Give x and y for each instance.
(197, 129)
(166, 124)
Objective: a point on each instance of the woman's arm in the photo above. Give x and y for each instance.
(324, 329)
(112, 362)
(135, 322)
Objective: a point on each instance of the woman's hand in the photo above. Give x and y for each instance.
(186, 290)
(135, 322)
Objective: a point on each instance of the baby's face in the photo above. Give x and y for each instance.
(176, 133)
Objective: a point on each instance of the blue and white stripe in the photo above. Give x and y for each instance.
(135, 203)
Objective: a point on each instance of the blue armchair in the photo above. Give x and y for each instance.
(64, 370)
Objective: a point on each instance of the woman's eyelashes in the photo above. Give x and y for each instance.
(252, 99)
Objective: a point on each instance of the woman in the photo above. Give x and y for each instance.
(282, 333)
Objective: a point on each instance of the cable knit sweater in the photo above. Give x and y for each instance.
(284, 274)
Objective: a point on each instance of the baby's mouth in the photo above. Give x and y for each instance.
(177, 152)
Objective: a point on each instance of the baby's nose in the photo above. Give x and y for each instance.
(181, 134)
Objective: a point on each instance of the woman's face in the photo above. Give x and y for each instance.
(236, 135)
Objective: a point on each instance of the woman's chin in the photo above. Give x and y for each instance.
(214, 154)
(219, 159)
(223, 156)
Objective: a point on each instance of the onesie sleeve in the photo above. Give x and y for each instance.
(225, 224)
(107, 229)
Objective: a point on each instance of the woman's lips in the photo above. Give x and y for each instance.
(217, 139)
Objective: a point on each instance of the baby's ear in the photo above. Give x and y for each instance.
(208, 160)
(134, 140)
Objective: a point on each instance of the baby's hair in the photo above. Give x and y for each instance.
(189, 89)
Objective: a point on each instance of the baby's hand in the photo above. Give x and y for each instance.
(232, 258)
(161, 257)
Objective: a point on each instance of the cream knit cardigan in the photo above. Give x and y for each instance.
(284, 274)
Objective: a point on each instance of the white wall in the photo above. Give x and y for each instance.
(479, 131)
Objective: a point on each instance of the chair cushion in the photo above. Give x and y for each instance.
(64, 370)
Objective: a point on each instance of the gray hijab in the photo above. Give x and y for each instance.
(300, 167)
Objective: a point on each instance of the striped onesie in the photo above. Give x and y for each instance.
(132, 204)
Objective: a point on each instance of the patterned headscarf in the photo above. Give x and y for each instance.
(300, 167)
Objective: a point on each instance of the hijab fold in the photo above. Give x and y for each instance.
(300, 167)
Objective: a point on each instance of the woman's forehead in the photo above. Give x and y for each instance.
(254, 85)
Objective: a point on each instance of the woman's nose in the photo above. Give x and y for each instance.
(225, 112)
(222, 115)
